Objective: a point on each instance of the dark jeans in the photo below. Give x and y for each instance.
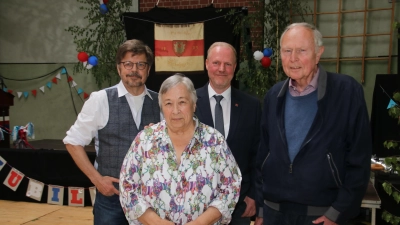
(107, 210)
(237, 218)
(273, 217)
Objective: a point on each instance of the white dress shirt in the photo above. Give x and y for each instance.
(226, 106)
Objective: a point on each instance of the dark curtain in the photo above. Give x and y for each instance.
(383, 126)
(216, 28)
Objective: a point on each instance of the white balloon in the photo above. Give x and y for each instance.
(89, 66)
(258, 55)
(84, 64)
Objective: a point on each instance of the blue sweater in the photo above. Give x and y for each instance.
(299, 115)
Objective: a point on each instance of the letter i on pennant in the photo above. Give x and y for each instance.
(2, 162)
(76, 195)
(55, 195)
(13, 179)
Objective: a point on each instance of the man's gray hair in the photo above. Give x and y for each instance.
(174, 80)
(317, 34)
(222, 44)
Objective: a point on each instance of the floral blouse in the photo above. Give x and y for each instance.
(207, 175)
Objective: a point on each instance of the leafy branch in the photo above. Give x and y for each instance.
(101, 37)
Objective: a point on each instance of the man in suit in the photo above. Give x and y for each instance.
(240, 122)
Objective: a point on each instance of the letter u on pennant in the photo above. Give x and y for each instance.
(13, 179)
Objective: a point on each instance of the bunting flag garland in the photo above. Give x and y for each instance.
(80, 91)
(73, 84)
(49, 84)
(55, 193)
(85, 95)
(63, 71)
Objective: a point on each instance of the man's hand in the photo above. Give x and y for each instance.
(106, 187)
(250, 207)
(324, 220)
(259, 221)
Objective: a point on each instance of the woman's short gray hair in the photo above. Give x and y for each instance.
(174, 80)
(317, 34)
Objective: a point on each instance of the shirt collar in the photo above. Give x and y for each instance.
(226, 93)
(122, 90)
(313, 83)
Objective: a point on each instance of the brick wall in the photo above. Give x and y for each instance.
(146, 5)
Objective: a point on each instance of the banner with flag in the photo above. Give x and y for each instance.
(179, 47)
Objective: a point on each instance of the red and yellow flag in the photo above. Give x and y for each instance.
(179, 47)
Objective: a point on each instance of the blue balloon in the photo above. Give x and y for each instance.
(268, 52)
(103, 9)
(92, 60)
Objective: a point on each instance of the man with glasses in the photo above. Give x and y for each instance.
(114, 116)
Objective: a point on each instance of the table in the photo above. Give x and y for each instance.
(371, 200)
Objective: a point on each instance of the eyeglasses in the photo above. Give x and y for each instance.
(139, 65)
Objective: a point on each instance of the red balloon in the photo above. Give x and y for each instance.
(83, 56)
(105, 1)
(265, 61)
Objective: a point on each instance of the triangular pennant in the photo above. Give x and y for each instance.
(13, 179)
(4, 89)
(48, 84)
(19, 94)
(391, 104)
(80, 91)
(34, 92)
(42, 88)
(76, 196)
(9, 91)
(26, 94)
(70, 79)
(73, 84)
(58, 76)
(64, 71)
(55, 195)
(54, 80)
(35, 189)
(2, 162)
(85, 95)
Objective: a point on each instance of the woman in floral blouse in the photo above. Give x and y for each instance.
(179, 171)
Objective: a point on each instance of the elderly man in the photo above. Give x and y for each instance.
(237, 116)
(114, 116)
(315, 148)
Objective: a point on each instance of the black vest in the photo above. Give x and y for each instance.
(116, 137)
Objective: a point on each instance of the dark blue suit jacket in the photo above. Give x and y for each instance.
(244, 132)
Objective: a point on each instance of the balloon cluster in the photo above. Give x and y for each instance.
(264, 56)
(103, 6)
(88, 62)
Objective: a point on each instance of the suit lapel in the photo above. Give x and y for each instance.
(235, 113)
(203, 110)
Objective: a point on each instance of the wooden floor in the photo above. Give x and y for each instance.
(28, 213)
